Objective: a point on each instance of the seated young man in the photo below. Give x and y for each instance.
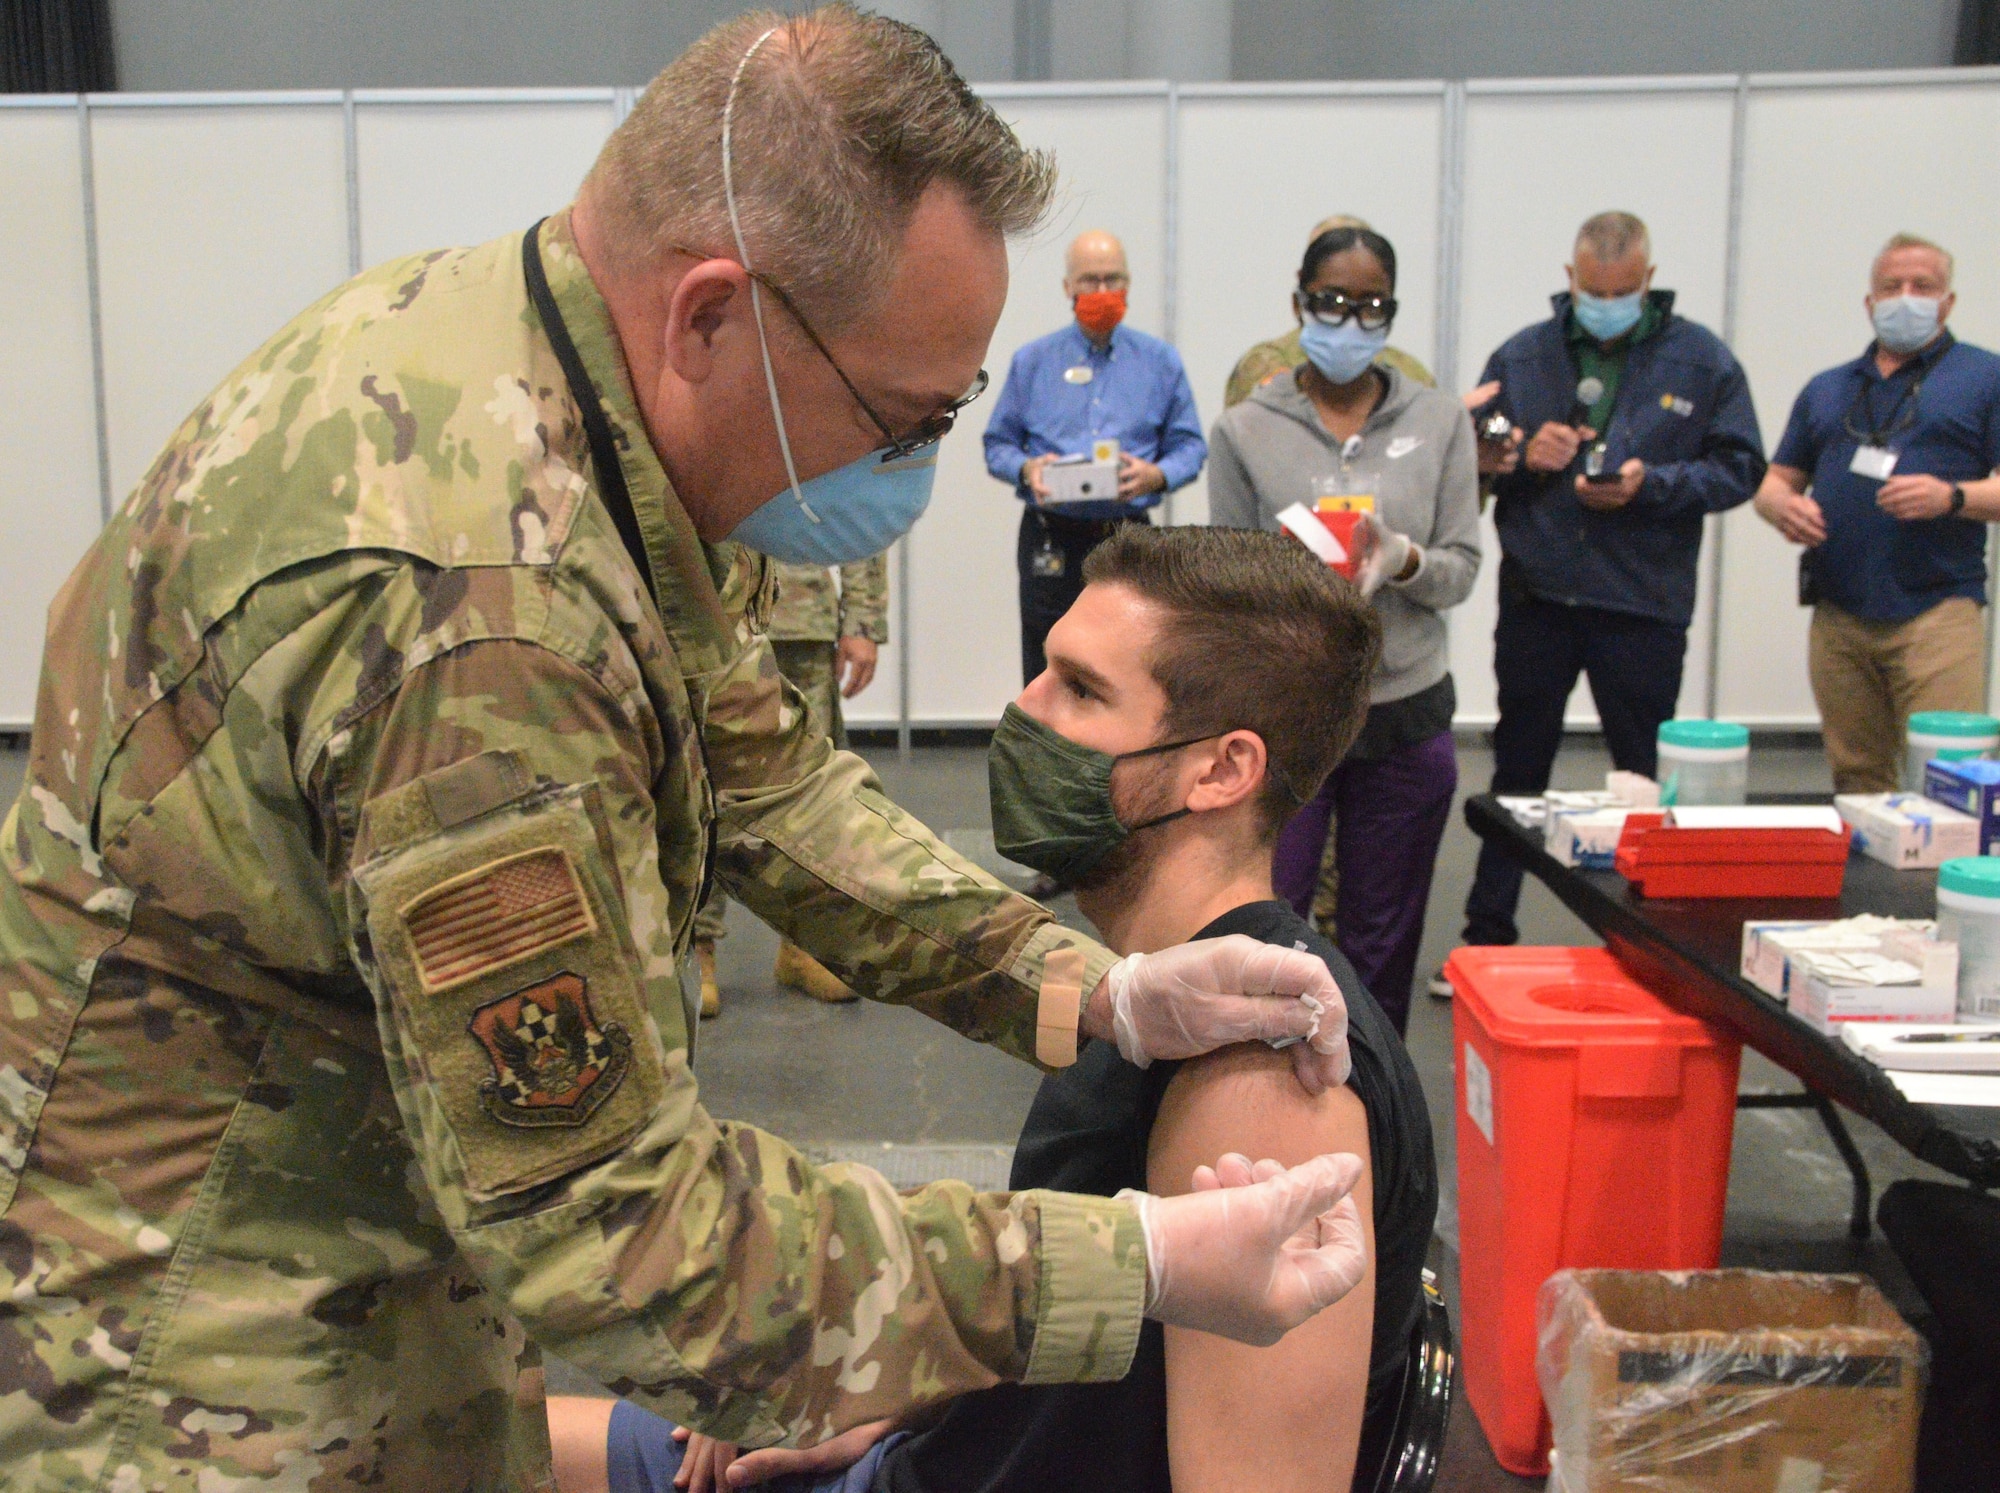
(1203, 685)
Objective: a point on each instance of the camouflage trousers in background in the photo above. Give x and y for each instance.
(815, 670)
(1326, 896)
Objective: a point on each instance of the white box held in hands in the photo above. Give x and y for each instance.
(1907, 830)
(1087, 477)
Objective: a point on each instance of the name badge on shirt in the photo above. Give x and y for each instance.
(1873, 462)
(1082, 373)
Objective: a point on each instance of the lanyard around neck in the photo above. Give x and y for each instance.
(611, 488)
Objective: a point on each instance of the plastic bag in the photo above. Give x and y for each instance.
(1728, 1381)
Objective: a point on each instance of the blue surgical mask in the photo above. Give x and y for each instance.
(844, 515)
(1607, 318)
(1904, 323)
(1342, 353)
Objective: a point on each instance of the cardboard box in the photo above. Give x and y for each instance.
(1971, 787)
(1728, 1381)
(1585, 837)
(1907, 830)
(1827, 1004)
(1769, 948)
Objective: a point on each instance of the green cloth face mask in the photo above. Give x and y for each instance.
(1051, 797)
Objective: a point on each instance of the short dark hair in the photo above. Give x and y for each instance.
(1260, 636)
(1339, 241)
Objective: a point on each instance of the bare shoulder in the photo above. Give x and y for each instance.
(1246, 1098)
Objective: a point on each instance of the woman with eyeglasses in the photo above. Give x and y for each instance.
(1345, 434)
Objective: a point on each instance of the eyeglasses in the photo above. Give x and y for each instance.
(927, 432)
(1100, 282)
(1334, 307)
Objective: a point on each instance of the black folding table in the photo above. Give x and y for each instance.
(1689, 953)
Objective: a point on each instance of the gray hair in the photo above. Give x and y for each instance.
(1611, 236)
(1917, 241)
(841, 122)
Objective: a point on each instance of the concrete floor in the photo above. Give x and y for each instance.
(889, 1087)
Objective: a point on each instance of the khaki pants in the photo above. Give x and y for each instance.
(815, 669)
(1870, 677)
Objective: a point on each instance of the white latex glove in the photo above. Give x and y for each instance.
(1196, 997)
(1381, 554)
(1253, 1258)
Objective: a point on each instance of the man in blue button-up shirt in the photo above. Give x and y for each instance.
(1093, 380)
(1885, 476)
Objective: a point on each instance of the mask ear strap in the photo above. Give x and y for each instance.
(743, 253)
(1168, 746)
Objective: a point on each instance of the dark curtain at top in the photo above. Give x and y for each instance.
(56, 46)
(1978, 33)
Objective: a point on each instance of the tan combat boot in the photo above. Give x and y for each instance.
(807, 975)
(711, 993)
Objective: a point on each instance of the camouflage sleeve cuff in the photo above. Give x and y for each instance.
(1093, 1289)
(864, 627)
(1030, 965)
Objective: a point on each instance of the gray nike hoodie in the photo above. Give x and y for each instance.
(1268, 453)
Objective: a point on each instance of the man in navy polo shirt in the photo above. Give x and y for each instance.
(1092, 380)
(1885, 477)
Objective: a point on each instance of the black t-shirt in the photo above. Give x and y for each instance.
(1087, 1132)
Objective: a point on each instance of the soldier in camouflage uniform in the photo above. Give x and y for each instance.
(376, 767)
(825, 629)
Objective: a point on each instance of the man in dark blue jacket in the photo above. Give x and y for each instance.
(1640, 427)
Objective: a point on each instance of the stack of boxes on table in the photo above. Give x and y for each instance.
(1904, 993)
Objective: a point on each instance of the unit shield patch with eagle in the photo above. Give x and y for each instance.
(553, 1063)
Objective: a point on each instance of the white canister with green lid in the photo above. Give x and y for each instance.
(1946, 735)
(1704, 762)
(1968, 914)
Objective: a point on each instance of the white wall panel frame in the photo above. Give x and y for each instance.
(1665, 146)
(1833, 166)
(218, 219)
(964, 632)
(438, 169)
(1258, 166)
(51, 479)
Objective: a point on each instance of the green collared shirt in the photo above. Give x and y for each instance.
(1605, 362)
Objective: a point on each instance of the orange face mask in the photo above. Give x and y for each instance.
(1099, 311)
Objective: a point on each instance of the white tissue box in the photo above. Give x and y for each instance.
(1585, 837)
(1907, 830)
(1773, 950)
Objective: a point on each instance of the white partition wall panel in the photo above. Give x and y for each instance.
(1830, 172)
(965, 662)
(438, 171)
(1538, 161)
(1257, 168)
(49, 490)
(215, 226)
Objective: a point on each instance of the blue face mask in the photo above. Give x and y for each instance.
(1607, 318)
(1342, 353)
(1905, 323)
(844, 515)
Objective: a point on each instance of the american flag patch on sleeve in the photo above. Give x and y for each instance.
(496, 916)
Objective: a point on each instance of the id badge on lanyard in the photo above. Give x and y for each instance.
(1874, 462)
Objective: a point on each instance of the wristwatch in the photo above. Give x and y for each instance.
(1957, 499)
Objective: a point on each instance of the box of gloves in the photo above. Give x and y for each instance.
(1907, 830)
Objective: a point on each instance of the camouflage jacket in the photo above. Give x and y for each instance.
(343, 1054)
(1282, 354)
(810, 610)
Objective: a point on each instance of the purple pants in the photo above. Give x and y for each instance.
(1389, 817)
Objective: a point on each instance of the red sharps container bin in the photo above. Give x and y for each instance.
(1593, 1132)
